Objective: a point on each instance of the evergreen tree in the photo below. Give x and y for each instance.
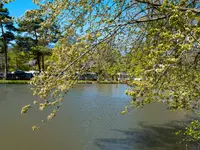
(33, 38)
(7, 29)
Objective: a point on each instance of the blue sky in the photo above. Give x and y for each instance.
(18, 7)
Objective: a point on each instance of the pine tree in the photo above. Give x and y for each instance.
(33, 38)
(7, 28)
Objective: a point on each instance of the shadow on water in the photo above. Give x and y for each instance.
(146, 137)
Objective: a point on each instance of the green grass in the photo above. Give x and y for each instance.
(79, 82)
(99, 82)
(110, 82)
(14, 82)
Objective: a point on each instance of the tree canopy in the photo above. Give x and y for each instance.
(33, 38)
(7, 28)
(160, 37)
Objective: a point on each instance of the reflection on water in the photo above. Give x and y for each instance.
(148, 137)
(89, 119)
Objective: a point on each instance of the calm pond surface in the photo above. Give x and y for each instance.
(89, 119)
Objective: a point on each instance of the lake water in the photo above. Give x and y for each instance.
(89, 119)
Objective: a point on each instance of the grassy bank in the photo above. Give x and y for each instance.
(99, 82)
(79, 82)
(14, 82)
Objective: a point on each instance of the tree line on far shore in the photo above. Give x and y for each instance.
(27, 45)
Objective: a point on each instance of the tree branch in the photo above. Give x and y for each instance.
(194, 10)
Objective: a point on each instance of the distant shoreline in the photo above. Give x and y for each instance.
(79, 82)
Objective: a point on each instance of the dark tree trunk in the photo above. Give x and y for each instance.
(5, 52)
(114, 78)
(99, 73)
(42, 62)
(6, 61)
(38, 53)
(38, 62)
